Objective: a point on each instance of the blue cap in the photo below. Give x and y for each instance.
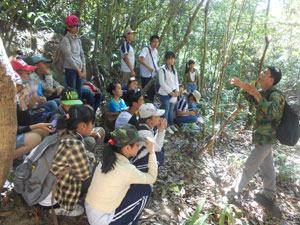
(40, 58)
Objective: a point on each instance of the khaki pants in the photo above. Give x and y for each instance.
(261, 157)
(125, 77)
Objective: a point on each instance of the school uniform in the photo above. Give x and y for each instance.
(113, 198)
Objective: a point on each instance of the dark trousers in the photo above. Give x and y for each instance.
(132, 205)
(91, 98)
(73, 80)
(142, 163)
(151, 91)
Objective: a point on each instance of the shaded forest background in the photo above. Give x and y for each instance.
(226, 38)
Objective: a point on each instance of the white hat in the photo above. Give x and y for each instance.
(148, 109)
(128, 30)
(197, 95)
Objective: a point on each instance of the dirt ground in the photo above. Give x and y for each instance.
(188, 176)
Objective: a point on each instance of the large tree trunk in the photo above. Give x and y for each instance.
(8, 120)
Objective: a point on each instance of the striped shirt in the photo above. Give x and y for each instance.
(182, 104)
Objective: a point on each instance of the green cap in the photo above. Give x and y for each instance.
(70, 97)
(126, 135)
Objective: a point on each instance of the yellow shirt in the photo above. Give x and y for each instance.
(107, 191)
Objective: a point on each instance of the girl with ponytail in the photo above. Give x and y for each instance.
(119, 191)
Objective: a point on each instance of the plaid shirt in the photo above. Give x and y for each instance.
(71, 167)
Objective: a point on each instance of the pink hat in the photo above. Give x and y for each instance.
(19, 64)
(72, 20)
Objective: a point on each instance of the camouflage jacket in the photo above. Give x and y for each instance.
(268, 115)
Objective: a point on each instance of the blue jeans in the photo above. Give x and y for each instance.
(186, 119)
(73, 80)
(168, 107)
(50, 108)
(191, 87)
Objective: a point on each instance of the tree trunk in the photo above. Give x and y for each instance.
(202, 72)
(262, 59)
(8, 121)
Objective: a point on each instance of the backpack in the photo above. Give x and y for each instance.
(58, 58)
(33, 178)
(288, 130)
(157, 84)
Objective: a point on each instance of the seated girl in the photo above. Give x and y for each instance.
(112, 197)
(71, 164)
(116, 104)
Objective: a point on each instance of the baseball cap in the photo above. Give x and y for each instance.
(40, 58)
(197, 95)
(20, 64)
(72, 20)
(128, 30)
(70, 97)
(125, 135)
(148, 109)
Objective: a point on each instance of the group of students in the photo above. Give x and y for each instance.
(116, 190)
(167, 87)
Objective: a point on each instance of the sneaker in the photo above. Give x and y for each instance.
(174, 128)
(77, 211)
(269, 204)
(233, 197)
(169, 130)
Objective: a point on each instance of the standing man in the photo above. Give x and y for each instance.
(127, 56)
(269, 104)
(148, 59)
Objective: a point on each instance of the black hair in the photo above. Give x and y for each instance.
(112, 86)
(132, 96)
(155, 36)
(144, 120)
(190, 62)
(275, 73)
(130, 80)
(168, 55)
(109, 157)
(76, 114)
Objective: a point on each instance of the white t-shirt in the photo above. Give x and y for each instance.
(126, 48)
(193, 76)
(123, 119)
(147, 59)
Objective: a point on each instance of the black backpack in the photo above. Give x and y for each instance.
(288, 130)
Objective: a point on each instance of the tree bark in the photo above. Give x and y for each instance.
(204, 48)
(267, 42)
(8, 120)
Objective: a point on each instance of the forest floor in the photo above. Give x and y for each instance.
(188, 176)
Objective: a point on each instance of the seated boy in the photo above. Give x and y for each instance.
(150, 118)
